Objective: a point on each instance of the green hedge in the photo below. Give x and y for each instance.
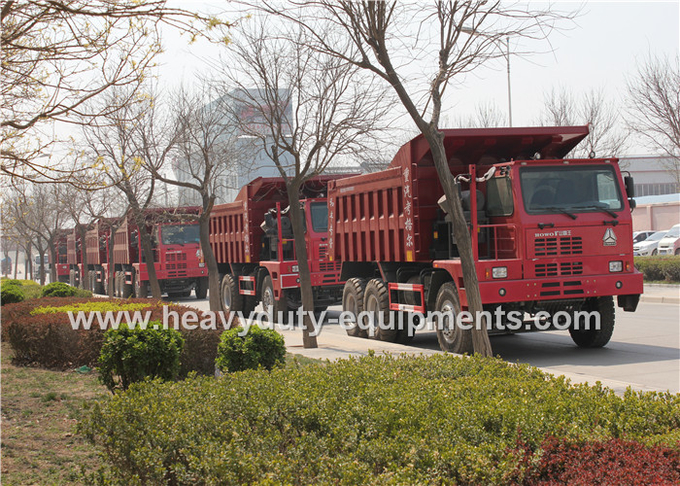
(132, 355)
(239, 351)
(11, 294)
(657, 268)
(377, 420)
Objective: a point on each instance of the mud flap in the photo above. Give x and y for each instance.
(628, 302)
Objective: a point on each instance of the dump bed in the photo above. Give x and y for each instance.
(95, 242)
(73, 247)
(235, 233)
(388, 215)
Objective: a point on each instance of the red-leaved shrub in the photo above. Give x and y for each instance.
(615, 461)
(49, 341)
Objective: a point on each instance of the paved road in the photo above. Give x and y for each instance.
(644, 351)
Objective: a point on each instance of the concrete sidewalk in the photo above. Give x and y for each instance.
(661, 294)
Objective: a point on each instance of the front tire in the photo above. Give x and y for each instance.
(127, 288)
(452, 339)
(269, 300)
(353, 301)
(201, 288)
(596, 338)
(377, 304)
(141, 289)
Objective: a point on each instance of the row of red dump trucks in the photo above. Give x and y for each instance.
(178, 259)
(549, 235)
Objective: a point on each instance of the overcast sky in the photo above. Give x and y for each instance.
(601, 52)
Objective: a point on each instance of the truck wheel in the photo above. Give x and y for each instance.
(127, 289)
(268, 301)
(596, 338)
(353, 301)
(451, 337)
(201, 288)
(141, 288)
(232, 301)
(99, 286)
(377, 304)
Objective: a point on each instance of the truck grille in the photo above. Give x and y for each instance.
(571, 288)
(329, 266)
(558, 246)
(323, 252)
(175, 257)
(555, 269)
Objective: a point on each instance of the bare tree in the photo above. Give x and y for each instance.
(418, 49)
(197, 129)
(312, 109)
(57, 56)
(605, 139)
(485, 115)
(654, 108)
(112, 152)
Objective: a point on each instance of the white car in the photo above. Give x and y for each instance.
(649, 246)
(670, 243)
(639, 236)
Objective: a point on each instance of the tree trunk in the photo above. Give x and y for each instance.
(209, 257)
(85, 277)
(111, 272)
(54, 259)
(480, 336)
(147, 248)
(297, 222)
(16, 261)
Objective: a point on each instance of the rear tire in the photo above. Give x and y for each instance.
(377, 304)
(452, 339)
(596, 338)
(230, 299)
(353, 301)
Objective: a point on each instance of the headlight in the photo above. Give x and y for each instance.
(499, 272)
(616, 266)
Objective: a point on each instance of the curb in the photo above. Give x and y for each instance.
(659, 299)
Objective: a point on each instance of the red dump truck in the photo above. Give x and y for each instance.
(252, 240)
(179, 263)
(549, 234)
(62, 267)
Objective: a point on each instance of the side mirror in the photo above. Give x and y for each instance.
(632, 203)
(630, 186)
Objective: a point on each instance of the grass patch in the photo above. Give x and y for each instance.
(40, 411)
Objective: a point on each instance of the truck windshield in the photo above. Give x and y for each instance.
(179, 234)
(585, 188)
(319, 212)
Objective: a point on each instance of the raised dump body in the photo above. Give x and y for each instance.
(97, 240)
(252, 240)
(178, 259)
(549, 234)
